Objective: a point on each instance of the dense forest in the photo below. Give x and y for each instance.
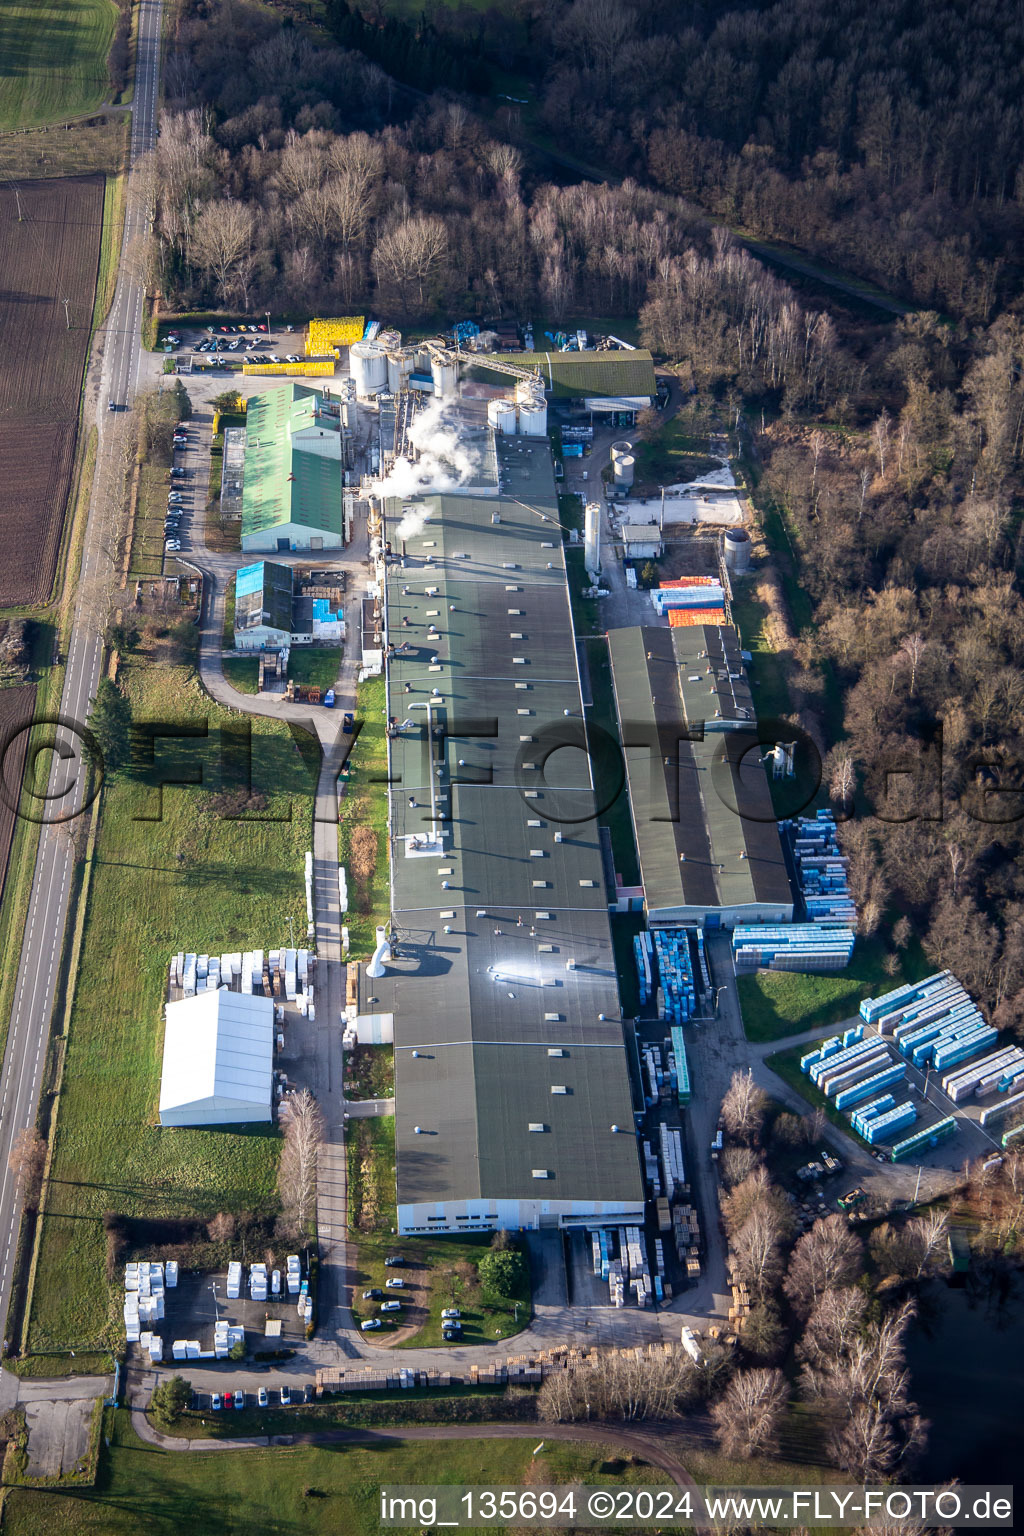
(294, 171)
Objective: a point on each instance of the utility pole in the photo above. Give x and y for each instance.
(17, 198)
(67, 311)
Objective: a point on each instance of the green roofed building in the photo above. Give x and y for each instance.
(293, 489)
(608, 381)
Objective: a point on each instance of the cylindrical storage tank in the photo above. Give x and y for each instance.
(533, 411)
(592, 537)
(368, 364)
(445, 377)
(737, 549)
(623, 468)
(620, 449)
(501, 415)
(399, 369)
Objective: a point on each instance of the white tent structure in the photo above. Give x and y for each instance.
(218, 1059)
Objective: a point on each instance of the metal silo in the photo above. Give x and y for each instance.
(445, 376)
(623, 468)
(399, 369)
(533, 409)
(737, 550)
(501, 415)
(368, 365)
(592, 538)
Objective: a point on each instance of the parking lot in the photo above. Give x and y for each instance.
(232, 345)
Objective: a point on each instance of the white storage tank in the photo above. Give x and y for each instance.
(501, 415)
(592, 539)
(621, 449)
(399, 369)
(533, 410)
(446, 378)
(623, 469)
(368, 364)
(737, 549)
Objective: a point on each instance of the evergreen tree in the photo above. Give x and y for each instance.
(110, 721)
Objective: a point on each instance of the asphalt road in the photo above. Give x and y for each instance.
(39, 962)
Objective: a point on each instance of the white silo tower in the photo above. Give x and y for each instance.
(592, 539)
(533, 408)
(501, 415)
(368, 364)
(623, 468)
(445, 374)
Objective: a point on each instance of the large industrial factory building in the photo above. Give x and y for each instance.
(513, 1099)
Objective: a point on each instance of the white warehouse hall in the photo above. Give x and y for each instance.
(218, 1059)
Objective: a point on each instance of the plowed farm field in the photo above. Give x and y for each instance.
(49, 256)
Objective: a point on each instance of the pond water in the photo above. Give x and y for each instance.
(966, 1356)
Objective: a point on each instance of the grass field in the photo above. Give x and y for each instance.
(194, 879)
(98, 145)
(147, 560)
(767, 669)
(297, 1489)
(316, 665)
(364, 803)
(243, 673)
(54, 55)
(780, 1003)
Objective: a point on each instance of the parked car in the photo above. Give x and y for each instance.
(394, 1283)
(370, 1323)
(261, 1397)
(293, 357)
(308, 1392)
(239, 1399)
(111, 405)
(450, 1314)
(172, 546)
(286, 1398)
(452, 1333)
(215, 1402)
(394, 1259)
(391, 1306)
(373, 1295)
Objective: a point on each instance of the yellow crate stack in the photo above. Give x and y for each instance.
(320, 368)
(322, 336)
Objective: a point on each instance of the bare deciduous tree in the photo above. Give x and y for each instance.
(411, 255)
(221, 1228)
(828, 1257)
(747, 1416)
(303, 1126)
(744, 1106)
(27, 1161)
(221, 240)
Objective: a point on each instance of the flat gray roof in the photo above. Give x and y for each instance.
(702, 811)
(526, 969)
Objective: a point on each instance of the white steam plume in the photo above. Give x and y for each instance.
(445, 463)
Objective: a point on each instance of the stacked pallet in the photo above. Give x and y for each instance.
(804, 947)
(821, 869)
